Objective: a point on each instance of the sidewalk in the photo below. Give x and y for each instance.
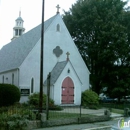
(88, 126)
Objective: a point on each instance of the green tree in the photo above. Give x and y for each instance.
(100, 33)
(120, 74)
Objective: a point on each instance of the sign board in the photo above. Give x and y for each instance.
(25, 92)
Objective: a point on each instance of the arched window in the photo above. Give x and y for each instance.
(58, 28)
(3, 79)
(32, 85)
(12, 78)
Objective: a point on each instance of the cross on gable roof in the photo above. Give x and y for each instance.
(58, 7)
(57, 70)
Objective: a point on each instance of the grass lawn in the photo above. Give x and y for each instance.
(118, 111)
(55, 115)
(58, 115)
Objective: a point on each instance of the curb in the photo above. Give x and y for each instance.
(99, 128)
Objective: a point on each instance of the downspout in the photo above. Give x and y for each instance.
(52, 91)
(18, 77)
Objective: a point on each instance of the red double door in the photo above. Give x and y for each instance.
(67, 91)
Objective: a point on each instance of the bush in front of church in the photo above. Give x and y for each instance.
(9, 94)
(34, 100)
(90, 99)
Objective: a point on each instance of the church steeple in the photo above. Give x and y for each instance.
(18, 29)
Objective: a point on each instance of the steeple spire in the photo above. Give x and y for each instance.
(20, 13)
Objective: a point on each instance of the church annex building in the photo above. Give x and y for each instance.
(20, 62)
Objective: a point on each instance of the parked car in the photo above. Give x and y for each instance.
(125, 99)
(108, 100)
(115, 99)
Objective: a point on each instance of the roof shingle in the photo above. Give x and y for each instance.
(55, 73)
(13, 54)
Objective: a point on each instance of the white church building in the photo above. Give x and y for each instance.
(20, 62)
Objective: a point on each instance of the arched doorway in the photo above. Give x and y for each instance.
(67, 91)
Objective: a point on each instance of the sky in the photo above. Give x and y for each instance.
(31, 13)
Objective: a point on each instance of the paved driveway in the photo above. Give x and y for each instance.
(83, 111)
(88, 111)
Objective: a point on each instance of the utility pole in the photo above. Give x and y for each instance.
(41, 62)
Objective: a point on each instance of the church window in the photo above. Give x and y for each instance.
(20, 32)
(3, 79)
(57, 51)
(58, 28)
(16, 32)
(32, 85)
(12, 78)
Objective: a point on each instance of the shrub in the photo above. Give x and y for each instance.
(34, 100)
(17, 122)
(9, 94)
(3, 120)
(19, 110)
(13, 122)
(3, 109)
(90, 99)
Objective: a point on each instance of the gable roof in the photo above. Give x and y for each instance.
(13, 54)
(56, 71)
